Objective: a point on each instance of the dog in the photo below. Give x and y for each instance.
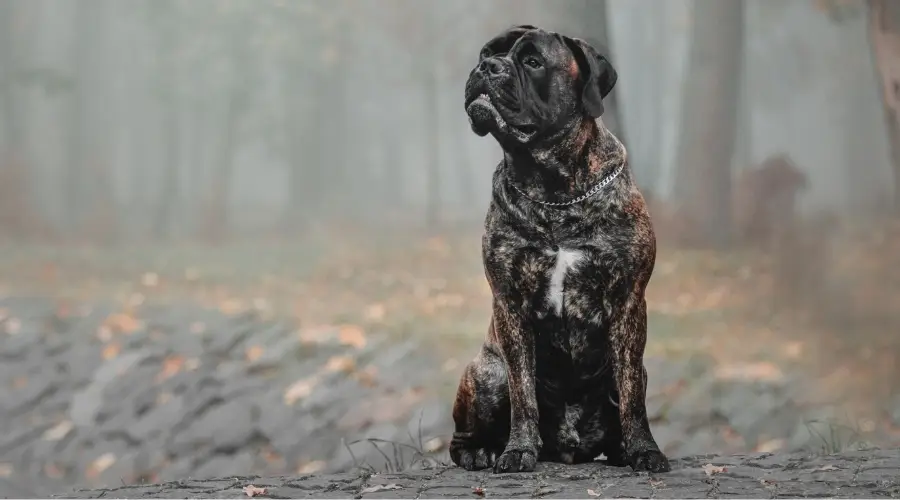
(568, 250)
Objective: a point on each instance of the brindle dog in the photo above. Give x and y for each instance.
(568, 250)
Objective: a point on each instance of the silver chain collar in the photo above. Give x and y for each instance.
(594, 190)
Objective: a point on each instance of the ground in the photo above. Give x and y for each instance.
(868, 474)
(141, 364)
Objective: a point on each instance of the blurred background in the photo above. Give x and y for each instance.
(244, 236)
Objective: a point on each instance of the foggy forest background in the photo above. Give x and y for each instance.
(312, 160)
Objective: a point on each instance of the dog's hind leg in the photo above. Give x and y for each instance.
(481, 412)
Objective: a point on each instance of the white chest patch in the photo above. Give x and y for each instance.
(566, 259)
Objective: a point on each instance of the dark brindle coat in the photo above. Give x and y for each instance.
(560, 376)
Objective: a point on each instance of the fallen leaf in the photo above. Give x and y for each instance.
(478, 490)
(299, 390)
(367, 377)
(711, 469)
(111, 350)
(171, 366)
(352, 335)
(271, 456)
(434, 445)
(770, 446)
(58, 431)
(198, 327)
(19, 382)
(314, 335)
(6, 470)
(311, 467)
(381, 487)
(100, 464)
(255, 352)
(121, 323)
(761, 371)
(593, 493)
(252, 491)
(231, 307)
(340, 364)
(825, 468)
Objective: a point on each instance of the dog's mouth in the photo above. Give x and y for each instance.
(481, 111)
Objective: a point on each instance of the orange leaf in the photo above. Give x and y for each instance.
(255, 352)
(122, 323)
(252, 491)
(311, 467)
(340, 364)
(231, 307)
(299, 390)
(111, 350)
(100, 464)
(352, 335)
(711, 469)
(171, 366)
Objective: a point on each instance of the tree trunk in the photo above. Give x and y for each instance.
(301, 162)
(433, 172)
(217, 221)
(14, 185)
(462, 169)
(884, 29)
(709, 120)
(596, 32)
(78, 133)
(169, 81)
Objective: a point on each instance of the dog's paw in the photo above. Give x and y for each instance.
(516, 461)
(477, 459)
(650, 461)
(466, 453)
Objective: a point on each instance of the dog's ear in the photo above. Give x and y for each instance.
(598, 77)
(501, 43)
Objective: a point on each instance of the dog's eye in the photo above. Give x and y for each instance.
(485, 53)
(532, 62)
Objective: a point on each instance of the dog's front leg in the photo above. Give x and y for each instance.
(629, 338)
(516, 341)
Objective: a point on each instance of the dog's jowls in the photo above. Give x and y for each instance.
(560, 376)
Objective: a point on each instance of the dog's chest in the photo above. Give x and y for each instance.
(565, 261)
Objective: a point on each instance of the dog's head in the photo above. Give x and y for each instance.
(531, 84)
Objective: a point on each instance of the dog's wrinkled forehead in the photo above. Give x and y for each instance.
(549, 44)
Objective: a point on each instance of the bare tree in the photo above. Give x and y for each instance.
(594, 18)
(884, 30)
(12, 172)
(167, 28)
(709, 119)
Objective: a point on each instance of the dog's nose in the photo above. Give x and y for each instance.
(491, 66)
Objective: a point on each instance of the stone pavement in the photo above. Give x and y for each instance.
(94, 396)
(862, 474)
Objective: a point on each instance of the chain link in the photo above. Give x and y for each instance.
(600, 185)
